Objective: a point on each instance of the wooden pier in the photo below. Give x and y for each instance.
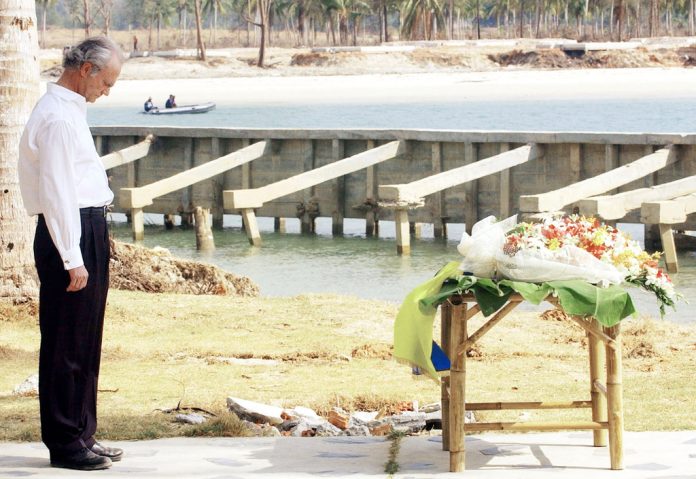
(407, 176)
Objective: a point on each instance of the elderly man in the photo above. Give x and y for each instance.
(63, 181)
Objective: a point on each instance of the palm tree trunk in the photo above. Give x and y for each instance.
(43, 26)
(450, 30)
(301, 22)
(199, 35)
(20, 79)
(263, 11)
(88, 20)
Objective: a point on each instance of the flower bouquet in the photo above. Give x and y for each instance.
(570, 247)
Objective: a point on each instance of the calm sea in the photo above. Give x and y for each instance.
(634, 115)
(291, 264)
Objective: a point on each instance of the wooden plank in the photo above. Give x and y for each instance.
(255, 198)
(535, 426)
(557, 199)
(502, 312)
(615, 399)
(457, 442)
(128, 155)
(614, 207)
(144, 195)
(504, 406)
(445, 338)
(592, 328)
(598, 401)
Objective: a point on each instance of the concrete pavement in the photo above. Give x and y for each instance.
(564, 455)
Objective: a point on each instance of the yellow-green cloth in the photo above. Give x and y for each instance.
(413, 329)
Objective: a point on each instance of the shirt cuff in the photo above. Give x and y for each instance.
(72, 258)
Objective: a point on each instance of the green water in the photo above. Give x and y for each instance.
(289, 264)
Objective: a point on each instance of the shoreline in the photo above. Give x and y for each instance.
(505, 85)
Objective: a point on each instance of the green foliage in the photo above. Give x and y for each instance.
(392, 465)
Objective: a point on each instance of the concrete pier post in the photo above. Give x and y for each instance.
(403, 237)
(251, 226)
(217, 184)
(204, 235)
(340, 184)
(138, 224)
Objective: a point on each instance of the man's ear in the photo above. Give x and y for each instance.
(86, 69)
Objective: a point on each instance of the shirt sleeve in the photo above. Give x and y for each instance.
(58, 192)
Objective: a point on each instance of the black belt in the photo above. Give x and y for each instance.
(94, 211)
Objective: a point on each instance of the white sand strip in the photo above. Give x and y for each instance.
(534, 85)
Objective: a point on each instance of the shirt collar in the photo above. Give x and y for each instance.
(68, 95)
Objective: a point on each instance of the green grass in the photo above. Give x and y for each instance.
(162, 350)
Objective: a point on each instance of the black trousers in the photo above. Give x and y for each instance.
(71, 335)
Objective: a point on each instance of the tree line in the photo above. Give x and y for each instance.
(355, 22)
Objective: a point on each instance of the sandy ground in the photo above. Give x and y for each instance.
(298, 76)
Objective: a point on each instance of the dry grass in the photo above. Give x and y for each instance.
(162, 349)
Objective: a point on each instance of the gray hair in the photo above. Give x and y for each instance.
(97, 51)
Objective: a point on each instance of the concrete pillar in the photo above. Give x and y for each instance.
(611, 161)
(437, 200)
(667, 237)
(132, 175)
(403, 238)
(251, 226)
(471, 189)
(217, 184)
(371, 217)
(204, 235)
(279, 225)
(338, 214)
(137, 224)
(504, 182)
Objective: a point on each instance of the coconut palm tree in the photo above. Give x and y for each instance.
(45, 4)
(214, 7)
(19, 78)
(421, 18)
(200, 44)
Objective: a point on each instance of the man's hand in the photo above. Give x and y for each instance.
(78, 278)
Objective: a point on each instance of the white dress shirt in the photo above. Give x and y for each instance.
(60, 170)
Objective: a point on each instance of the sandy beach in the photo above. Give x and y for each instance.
(229, 78)
(671, 83)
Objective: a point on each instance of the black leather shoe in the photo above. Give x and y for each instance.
(82, 460)
(112, 453)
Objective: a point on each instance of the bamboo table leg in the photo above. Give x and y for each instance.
(457, 434)
(599, 401)
(615, 398)
(445, 326)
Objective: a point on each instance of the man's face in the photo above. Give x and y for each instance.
(94, 86)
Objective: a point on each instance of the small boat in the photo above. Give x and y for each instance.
(199, 108)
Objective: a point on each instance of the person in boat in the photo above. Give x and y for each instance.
(171, 102)
(148, 105)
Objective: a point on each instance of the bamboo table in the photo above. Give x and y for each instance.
(606, 399)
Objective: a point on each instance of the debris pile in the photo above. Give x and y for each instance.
(265, 420)
(135, 268)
